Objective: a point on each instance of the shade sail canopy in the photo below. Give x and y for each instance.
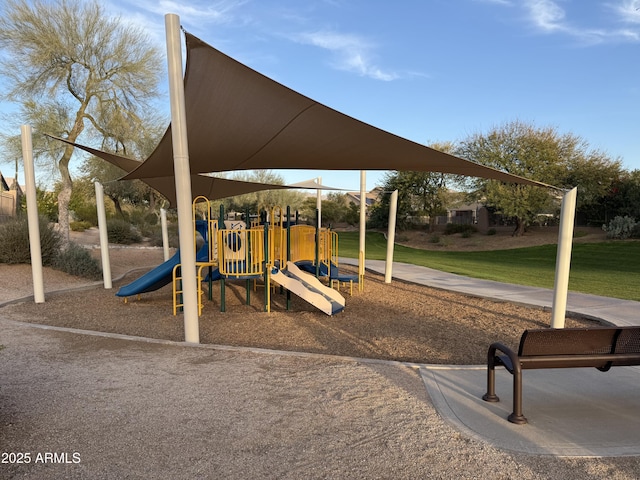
(212, 188)
(238, 119)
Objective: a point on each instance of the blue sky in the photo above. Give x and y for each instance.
(435, 70)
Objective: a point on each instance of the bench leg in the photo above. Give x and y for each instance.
(491, 396)
(516, 416)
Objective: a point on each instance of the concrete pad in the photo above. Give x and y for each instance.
(571, 412)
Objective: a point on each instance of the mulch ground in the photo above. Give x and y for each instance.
(398, 321)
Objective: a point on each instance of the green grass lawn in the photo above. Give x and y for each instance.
(610, 269)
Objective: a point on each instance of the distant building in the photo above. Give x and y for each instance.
(371, 198)
(10, 194)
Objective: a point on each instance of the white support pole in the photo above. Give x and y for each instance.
(391, 236)
(363, 222)
(104, 237)
(319, 202)
(165, 234)
(563, 259)
(32, 215)
(183, 179)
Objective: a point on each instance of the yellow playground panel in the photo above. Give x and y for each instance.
(235, 252)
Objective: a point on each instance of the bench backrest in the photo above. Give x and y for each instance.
(581, 341)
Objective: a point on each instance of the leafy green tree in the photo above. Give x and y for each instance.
(623, 197)
(264, 199)
(47, 203)
(73, 68)
(82, 204)
(419, 194)
(540, 154)
(133, 192)
(335, 208)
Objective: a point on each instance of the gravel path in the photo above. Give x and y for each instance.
(140, 409)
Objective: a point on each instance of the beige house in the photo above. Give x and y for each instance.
(10, 194)
(371, 198)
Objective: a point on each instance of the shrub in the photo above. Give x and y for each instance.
(434, 238)
(492, 231)
(122, 232)
(155, 239)
(80, 226)
(76, 260)
(14, 241)
(453, 228)
(620, 227)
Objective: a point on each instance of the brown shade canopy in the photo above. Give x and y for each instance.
(238, 119)
(212, 188)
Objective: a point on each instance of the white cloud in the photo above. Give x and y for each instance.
(628, 11)
(221, 11)
(549, 17)
(546, 14)
(351, 53)
(506, 3)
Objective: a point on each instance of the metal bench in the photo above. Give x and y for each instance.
(599, 347)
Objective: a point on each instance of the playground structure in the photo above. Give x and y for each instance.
(272, 249)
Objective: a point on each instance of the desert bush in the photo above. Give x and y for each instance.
(122, 232)
(80, 226)
(14, 241)
(155, 238)
(76, 260)
(453, 228)
(620, 228)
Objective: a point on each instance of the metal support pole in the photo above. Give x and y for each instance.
(104, 237)
(563, 258)
(363, 225)
(391, 236)
(165, 234)
(319, 202)
(183, 179)
(32, 215)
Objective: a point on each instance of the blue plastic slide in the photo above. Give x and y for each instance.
(159, 276)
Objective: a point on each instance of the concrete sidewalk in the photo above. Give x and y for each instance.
(611, 310)
(571, 412)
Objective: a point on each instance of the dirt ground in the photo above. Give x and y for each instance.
(397, 321)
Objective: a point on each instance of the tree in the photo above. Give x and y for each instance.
(419, 194)
(130, 191)
(540, 154)
(622, 198)
(72, 68)
(597, 178)
(264, 199)
(335, 208)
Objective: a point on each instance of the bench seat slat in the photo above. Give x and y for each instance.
(568, 361)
